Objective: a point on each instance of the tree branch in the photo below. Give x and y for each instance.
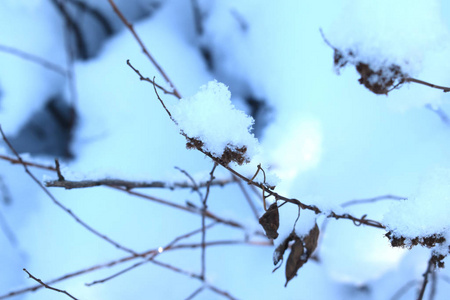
(68, 184)
(49, 287)
(144, 49)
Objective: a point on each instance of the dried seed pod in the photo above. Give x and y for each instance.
(270, 221)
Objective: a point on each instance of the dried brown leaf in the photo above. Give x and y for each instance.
(279, 251)
(311, 240)
(295, 260)
(270, 221)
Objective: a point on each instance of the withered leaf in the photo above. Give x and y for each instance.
(311, 240)
(270, 221)
(279, 251)
(301, 250)
(295, 260)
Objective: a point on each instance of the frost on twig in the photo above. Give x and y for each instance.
(213, 125)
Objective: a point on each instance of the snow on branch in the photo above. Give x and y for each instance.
(211, 122)
(378, 77)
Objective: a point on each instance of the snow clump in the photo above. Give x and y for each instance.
(212, 124)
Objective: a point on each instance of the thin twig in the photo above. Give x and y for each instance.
(248, 198)
(195, 187)
(144, 49)
(445, 89)
(15, 161)
(33, 58)
(169, 246)
(429, 270)
(142, 78)
(433, 286)
(59, 204)
(191, 209)
(49, 287)
(162, 103)
(58, 170)
(220, 292)
(68, 184)
(195, 293)
(204, 209)
(130, 258)
(374, 199)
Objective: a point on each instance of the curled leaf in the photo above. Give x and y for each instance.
(270, 221)
(295, 260)
(301, 251)
(311, 240)
(279, 251)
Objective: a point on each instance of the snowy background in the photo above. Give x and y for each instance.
(327, 138)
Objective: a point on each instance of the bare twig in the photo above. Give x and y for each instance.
(195, 293)
(142, 78)
(220, 292)
(59, 204)
(429, 270)
(49, 287)
(33, 58)
(374, 199)
(15, 161)
(170, 246)
(58, 170)
(68, 184)
(194, 183)
(162, 103)
(130, 258)
(433, 286)
(445, 89)
(152, 260)
(190, 209)
(144, 49)
(248, 198)
(204, 210)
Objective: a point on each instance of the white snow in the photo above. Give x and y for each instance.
(209, 116)
(425, 213)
